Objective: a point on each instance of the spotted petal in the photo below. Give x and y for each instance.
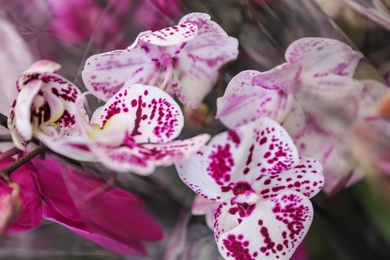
(235, 159)
(105, 74)
(323, 56)
(171, 35)
(198, 63)
(143, 159)
(151, 114)
(58, 89)
(305, 178)
(272, 230)
(74, 147)
(327, 86)
(252, 94)
(23, 105)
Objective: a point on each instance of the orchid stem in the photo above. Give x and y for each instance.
(9, 153)
(288, 107)
(4, 173)
(168, 62)
(5, 138)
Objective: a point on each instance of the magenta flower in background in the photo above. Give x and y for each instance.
(115, 219)
(132, 132)
(75, 21)
(183, 60)
(261, 184)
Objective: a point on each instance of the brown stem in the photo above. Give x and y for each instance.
(5, 138)
(9, 153)
(4, 173)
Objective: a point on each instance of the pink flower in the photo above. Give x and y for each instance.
(183, 60)
(303, 95)
(45, 105)
(315, 66)
(151, 13)
(133, 131)
(31, 207)
(78, 21)
(115, 219)
(262, 187)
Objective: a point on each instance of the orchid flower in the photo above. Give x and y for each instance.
(315, 66)
(45, 105)
(301, 94)
(133, 131)
(182, 60)
(262, 187)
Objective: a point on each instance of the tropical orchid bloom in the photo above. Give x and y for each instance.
(115, 219)
(45, 105)
(133, 131)
(182, 60)
(262, 187)
(315, 66)
(303, 94)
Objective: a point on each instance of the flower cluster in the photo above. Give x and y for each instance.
(253, 182)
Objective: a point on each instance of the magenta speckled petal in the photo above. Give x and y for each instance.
(238, 157)
(45, 105)
(167, 153)
(171, 35)
(251, 95)
(322, 55)
(143, 159)
(277, 227)
(305, 178)
(22, 110)
(105, 74)
(183, 60)
(327, 86)
(66, 93)
(199, 61)
(74, 147)
(152, 115)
